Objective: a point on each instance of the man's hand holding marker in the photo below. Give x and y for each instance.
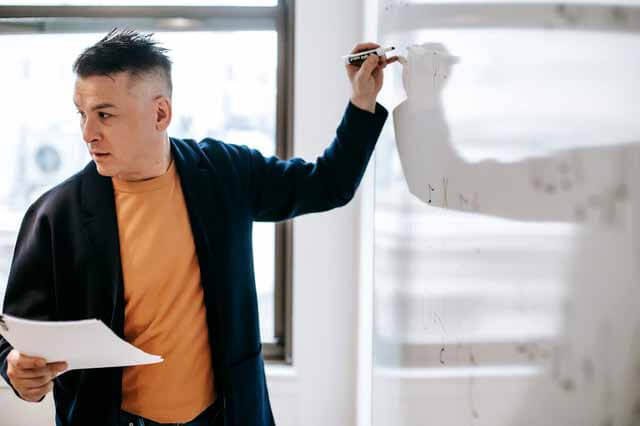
(364, 67)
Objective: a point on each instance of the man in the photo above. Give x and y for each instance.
(153, 238)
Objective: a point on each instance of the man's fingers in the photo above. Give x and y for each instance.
(352, 68)
(34, 383)
(37, 393)
(49, 370)
(24, 361)
(56, 367)
(386, 61)
(29, 363)
(376, 72)
(30, 373)
(369, 65)
(361, 47)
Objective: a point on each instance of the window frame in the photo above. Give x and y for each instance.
(56, 19)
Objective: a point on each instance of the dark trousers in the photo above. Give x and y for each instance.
(212, 416)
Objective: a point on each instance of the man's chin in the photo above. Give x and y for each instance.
(104, 171)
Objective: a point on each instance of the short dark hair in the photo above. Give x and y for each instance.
(124, 50)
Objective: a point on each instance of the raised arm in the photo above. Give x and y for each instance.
(282, 189)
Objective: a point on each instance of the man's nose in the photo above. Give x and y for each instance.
(90, 130)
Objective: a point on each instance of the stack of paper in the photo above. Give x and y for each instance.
(81, 344)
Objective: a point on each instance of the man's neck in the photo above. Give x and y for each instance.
(157, 167)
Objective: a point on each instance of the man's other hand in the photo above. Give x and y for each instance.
(32, 377)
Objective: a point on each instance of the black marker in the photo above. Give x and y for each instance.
(358, 58)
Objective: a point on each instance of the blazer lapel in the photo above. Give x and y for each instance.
(204, 197)
(105, 292)
(206, 206)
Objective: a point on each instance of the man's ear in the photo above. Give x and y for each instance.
(163, 112)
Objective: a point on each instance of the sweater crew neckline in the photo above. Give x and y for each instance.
(146, 185)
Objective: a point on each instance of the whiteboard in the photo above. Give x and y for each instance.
(506, 216)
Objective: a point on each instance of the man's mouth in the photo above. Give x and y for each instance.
(100, 155)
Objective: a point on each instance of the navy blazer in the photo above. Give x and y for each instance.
(66, 264)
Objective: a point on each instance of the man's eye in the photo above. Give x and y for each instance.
(104, 115)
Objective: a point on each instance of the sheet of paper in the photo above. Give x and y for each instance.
(82, 344)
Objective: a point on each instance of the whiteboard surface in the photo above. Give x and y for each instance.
(506, 223)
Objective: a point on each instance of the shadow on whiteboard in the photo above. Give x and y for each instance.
(593, 375)
(576, 185)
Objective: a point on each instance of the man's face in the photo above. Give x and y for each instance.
(119, 121)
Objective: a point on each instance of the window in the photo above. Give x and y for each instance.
(219, 92)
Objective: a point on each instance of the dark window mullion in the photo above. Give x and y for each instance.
(284, 148)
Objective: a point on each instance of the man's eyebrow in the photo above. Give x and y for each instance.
(99, 106)
(102, 105)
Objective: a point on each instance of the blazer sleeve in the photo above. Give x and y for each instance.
(283, 189)
(30, 284)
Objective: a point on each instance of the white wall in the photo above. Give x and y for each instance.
(325, 251)
(320, 389)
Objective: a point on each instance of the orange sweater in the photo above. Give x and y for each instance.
(164, 304)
